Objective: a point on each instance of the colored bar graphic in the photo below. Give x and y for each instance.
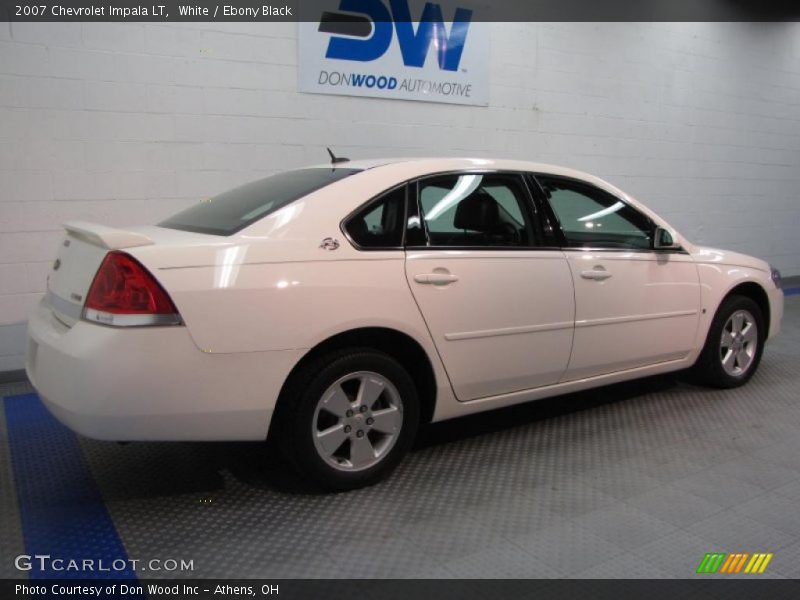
(758, 563)
(732, 558)
(722, 562)
(741, 562)
(704, 564)
(711, 562)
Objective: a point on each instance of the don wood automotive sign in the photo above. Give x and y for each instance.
(434, 52)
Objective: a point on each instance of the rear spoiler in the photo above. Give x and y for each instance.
(106, 237)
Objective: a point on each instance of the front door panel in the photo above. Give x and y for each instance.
(632, 309)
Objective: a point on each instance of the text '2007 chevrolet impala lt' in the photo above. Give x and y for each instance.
(336, 308)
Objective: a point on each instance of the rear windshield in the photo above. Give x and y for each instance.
(231, 211)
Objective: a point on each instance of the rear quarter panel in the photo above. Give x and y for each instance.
(289, 305)
(253, 307)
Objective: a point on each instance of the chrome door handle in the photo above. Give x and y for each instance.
(596, 274)
(435, 278)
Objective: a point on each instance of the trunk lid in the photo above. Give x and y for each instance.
(79, 256)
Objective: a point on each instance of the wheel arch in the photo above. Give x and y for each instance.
(754, 291)
(400, 346)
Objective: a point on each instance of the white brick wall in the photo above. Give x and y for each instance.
(127, 123)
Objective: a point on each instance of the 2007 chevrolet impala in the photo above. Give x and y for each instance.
(336, 308)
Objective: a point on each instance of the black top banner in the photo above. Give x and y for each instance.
(482, 10)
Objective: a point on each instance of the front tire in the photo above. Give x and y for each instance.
(348, 418)
(734, 344)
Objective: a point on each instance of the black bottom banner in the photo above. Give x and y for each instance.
(406, 589)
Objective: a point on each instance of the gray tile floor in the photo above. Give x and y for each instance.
(633, 480)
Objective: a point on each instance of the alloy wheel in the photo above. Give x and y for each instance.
(357, 421)
(739, 343)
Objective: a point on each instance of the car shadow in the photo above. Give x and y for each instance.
(523, 415)
(207, 469)
(260, 465)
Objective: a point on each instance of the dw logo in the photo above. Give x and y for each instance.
(369, 36)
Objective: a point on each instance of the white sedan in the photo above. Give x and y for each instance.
(336, 308)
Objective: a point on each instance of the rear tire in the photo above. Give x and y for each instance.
(348, 418)
(734, 345)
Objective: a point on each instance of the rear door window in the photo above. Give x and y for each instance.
(476, 210)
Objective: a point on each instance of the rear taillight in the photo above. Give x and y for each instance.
(125, 294)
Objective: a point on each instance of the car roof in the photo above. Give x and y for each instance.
(440, 164)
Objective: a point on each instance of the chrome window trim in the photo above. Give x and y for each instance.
(679, 250)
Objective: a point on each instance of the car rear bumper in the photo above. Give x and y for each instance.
(150, 383)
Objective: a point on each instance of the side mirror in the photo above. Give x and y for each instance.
(663, 239)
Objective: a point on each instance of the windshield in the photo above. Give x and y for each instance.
(234, 210)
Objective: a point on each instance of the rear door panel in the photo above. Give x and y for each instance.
(505, 325)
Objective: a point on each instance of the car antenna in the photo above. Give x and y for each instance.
(336, 159)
